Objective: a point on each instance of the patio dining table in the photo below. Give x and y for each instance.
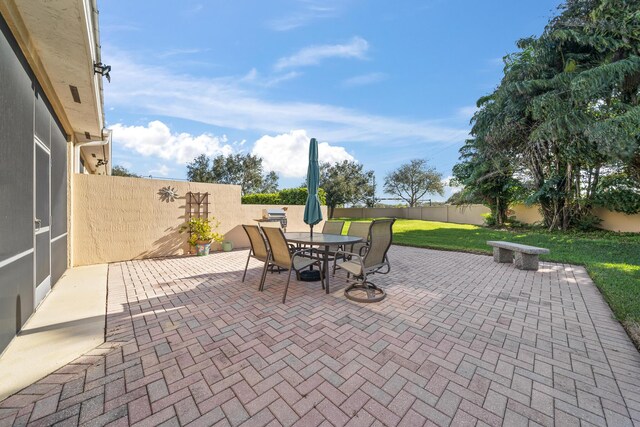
(326, 240)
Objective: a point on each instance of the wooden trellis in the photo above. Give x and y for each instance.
(197, 205)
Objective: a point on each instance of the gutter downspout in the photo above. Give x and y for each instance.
(96, 38)
(105, 143)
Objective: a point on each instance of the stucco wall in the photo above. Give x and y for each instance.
(472, 214)
(468, 214)
(613, 221)
(117, 218)
(436, 213)
(527, 214)
(616, 221)
(461, 215)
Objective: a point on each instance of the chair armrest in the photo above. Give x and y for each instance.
(301, 252)
(347, 254)
(363, 250)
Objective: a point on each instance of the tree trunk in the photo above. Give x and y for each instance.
(331, 209)
(567, 202)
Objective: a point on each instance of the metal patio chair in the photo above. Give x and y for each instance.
(359, 229)
(356, 229)
(373, 260)
(331, 227)
(280, 256)
(259, 249)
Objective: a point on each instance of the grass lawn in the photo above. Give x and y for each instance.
(612, 259)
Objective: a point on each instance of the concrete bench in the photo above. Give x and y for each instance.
(526, 257)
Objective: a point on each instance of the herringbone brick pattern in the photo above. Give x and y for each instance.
(459, 340)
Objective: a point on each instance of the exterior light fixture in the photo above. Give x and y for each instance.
(103, 70)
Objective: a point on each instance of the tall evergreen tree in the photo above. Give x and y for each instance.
(567, 112)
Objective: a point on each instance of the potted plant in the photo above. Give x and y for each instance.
(202, 233)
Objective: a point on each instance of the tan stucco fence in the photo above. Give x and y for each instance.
(117, 218)
(463, 215)
(472, 214)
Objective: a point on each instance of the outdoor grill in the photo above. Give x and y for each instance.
(275, 215)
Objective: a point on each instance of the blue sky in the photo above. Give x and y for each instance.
(376, 81)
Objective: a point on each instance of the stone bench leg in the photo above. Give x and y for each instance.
(502, 255)
(526, 261)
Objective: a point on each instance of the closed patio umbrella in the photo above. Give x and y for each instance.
(312, 210)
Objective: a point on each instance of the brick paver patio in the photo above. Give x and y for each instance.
(460, 340)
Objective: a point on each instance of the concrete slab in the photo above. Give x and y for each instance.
(68, 323)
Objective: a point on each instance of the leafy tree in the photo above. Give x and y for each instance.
(485, 174)
(411, 181)
(346, 182)
(370, 200)
(199, 170)
(118, 170)
(566, 113)
(619, 192)
(245, 170)
(269, 183)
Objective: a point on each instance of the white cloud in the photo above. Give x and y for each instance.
(364, 79)
(310, 11)
(287, 154)
(156, 139)
(449, 190)
(254, 77)
(119, 27)
(124, 163)
(232, 102)
(313, 55)
(179, 52)
(467, 112)
(161, 170)
(192, 10)
(452, 188)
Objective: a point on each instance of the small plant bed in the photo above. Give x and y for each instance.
(611, 259)
(202, 233)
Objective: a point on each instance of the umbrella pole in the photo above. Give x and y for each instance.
(311, 226)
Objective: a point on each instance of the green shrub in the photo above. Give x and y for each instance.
(322, 195)
(262, 199)
(202, 230)
(288, 196)
(489, 219)
(620, 193)
(586, 222)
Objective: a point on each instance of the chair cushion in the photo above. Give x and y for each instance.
(352, 267)
(331, 253)
(302, 262)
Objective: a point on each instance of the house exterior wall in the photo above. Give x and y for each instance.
(25, 113)
(117, 218)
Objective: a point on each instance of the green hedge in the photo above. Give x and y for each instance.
(261, 199)
(288, 196)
